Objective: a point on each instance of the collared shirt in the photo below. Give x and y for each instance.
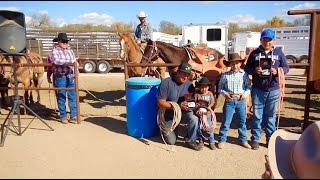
(144, 32)
(234, 83)
(61, 57)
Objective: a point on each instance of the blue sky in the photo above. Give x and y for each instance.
(178, 12)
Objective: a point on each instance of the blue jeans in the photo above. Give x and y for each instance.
(264, 112)
(63, 81)
(192, 122)
(209, 133)
(233, 107)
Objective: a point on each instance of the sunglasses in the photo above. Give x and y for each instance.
(64, 41)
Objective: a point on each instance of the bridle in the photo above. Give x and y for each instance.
(154, 53)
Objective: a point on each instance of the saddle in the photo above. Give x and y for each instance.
(201, 53)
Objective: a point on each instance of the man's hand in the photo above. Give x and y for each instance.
(258, 70)
(49, 80)
(273, 71)
(184, 105)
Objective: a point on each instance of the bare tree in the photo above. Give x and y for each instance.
(169, 28)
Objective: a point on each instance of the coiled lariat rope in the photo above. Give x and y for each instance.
(282, 83)
(164, 127)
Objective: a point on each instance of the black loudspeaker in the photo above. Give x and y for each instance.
(13, 38)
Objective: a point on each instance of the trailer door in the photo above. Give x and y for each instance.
(215, 37)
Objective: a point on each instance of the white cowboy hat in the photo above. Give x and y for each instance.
(141, 14)
(294, 155)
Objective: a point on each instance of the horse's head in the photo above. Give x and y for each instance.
(132, 53)
(151, 52)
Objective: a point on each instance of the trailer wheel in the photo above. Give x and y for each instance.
(291, 59)
(304, 59)
(103, 67)
(89, 66)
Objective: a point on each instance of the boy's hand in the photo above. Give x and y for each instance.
(227, 96)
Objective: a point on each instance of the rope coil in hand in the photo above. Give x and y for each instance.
(164, 127)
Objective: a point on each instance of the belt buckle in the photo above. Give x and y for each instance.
(235, 96)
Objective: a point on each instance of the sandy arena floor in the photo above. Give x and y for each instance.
(100, 146)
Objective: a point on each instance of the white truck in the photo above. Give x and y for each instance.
(245, 42)
(294, 42)
(213, 35)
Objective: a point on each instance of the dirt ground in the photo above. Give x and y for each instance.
(100, 146)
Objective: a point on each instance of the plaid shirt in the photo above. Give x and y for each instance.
(50, 69)
(144, 32)
(61, 57)
(234, 83)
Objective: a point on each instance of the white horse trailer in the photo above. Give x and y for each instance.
(245, 42)
(294, 42)
(213, 35)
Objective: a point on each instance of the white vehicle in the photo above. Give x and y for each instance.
(245, 42)
(213, 35)
(294, 42)
(167, 38)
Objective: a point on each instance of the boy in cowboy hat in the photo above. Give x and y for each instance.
(64, 77)
(205, 101)
(294, 156)
(234, 85)
(143, 31)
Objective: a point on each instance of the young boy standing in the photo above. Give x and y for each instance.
(234, 85)
(205, 101)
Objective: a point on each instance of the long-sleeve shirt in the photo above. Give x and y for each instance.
(144, 32)
(50, 69)
(235, 83)
(278, 60)
(62, 57)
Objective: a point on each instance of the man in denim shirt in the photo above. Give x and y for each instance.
(265, 89)
(64, 77)
(143, 31)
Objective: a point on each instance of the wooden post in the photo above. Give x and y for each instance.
(312, 49)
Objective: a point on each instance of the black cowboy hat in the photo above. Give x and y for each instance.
(233, 57)
(63, 37)
(203, 80)
(55, 40)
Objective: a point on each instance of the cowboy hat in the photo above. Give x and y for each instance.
(233, 57)
(204, 81)
(141, 14)
(294, 155)
(63, 37)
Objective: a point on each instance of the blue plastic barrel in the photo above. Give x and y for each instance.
(141, 104)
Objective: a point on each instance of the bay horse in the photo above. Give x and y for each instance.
(134, 55)
(170, 53)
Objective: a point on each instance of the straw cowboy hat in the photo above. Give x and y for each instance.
(141, 14)
(294, 155)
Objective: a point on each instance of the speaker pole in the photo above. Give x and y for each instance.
(16, 108)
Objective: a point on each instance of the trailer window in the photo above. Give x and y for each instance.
(213, 34)
(278, 31)
(295, 31)
(286, 31)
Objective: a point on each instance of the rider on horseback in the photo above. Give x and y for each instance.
(143, 31)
